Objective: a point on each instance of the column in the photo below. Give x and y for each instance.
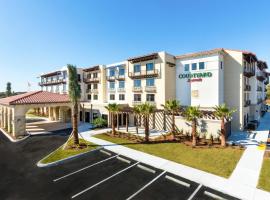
(5, 118)
(18, 124)
(154, 120)
(127, 121)
(61, 114)
(9, 115)
(54, 114)
(117, 121)
(1, 116)
(50, 113)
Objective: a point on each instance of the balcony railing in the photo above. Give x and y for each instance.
(136, 102)
(150, 89)
(137, 89)
(110, 78)
(52, 82)
(121, 89)
(260, 75)
(247, 103)
(111, 89)
(120, 77)
(151, 102)
(247, 88)
(144, 74)
(248, 72)
(91, 80)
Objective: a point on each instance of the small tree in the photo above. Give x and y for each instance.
(192, 114)
(74, 92)
(172, 106)
(113, 109)
(100, 122)
(8, 89)
(146, 109)
(224, 113)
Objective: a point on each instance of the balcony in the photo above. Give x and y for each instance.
(52, 82)
(111, 89)
(260, 75)
(144, 74)
(259, 101)
(247, 103)
(137, 89)
(91, 80)
(247, 88)
(120, 77)
(150, 89)
(266, 82)
(249, 72)
(259, 89)
(121, 89)
(110, 78)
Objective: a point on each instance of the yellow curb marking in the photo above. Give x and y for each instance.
(262, 147)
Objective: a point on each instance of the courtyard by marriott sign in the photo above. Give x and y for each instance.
(196, 77)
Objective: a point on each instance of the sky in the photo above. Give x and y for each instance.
(38, 36)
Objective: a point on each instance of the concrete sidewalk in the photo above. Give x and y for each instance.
(247, 171)
(216, 182)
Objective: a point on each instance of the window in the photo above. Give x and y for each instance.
(112, 97)
(112, 72)
(57, 89)
(137, 97)
(95, 75)
(121, 97)
(221, 64)
(79, 77)
(121, 84)
(194, 66)
(149, 66)
(137, 68)
(112, 85)
(64, 88)
(150, 97)
(89, 86)
(95, 86)
(201, 65)
(137, 83)
(64, 74)
(95, 97)
(186, 67)
(89, 96)
(121, 71)
(89, 75)
(150, 82)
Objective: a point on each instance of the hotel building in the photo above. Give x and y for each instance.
(205, 79)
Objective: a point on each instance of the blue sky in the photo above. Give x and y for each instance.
(39, 36)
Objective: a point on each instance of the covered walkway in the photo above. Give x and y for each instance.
(13, 109)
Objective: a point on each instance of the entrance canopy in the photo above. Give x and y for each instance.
(14, 108)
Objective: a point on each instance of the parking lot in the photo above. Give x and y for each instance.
(96, 175)
(105, 175)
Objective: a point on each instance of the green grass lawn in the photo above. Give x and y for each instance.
(213, 160)
(60, 153)
(264, 181)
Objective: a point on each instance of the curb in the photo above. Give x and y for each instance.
(40, 164)
(11, 139)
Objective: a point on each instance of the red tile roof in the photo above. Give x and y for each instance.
(36, 97)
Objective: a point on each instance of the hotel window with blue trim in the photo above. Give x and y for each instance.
(137, 83)
(112, 72)
(121, 71)
(150, 82)
(201, 65)
(186, 67)
(194, 66)
(121, 84)
(137, 68)
(149, 66)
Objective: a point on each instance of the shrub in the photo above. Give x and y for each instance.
(100, 122)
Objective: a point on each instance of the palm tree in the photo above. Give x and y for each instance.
(146, 109)
(192, 114)
(172, 106)
(113, 109)
(224, 113)
(74, 93)
(137, 112)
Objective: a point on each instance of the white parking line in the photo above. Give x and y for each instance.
(177, 181)
(72, 173)
(89, 188)
(145, 186)
(217, 197)
(146, 169)
(123, 159)
(195, 192)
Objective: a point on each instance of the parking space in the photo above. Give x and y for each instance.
(105, 175)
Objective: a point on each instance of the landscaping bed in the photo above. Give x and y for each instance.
(219, 161)
(264, 180)
(60, 153)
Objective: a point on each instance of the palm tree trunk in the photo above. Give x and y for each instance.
(113, 125)
(194, 133)
(136, 124)
(223, 136)
(75, 123)
(146, 125)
